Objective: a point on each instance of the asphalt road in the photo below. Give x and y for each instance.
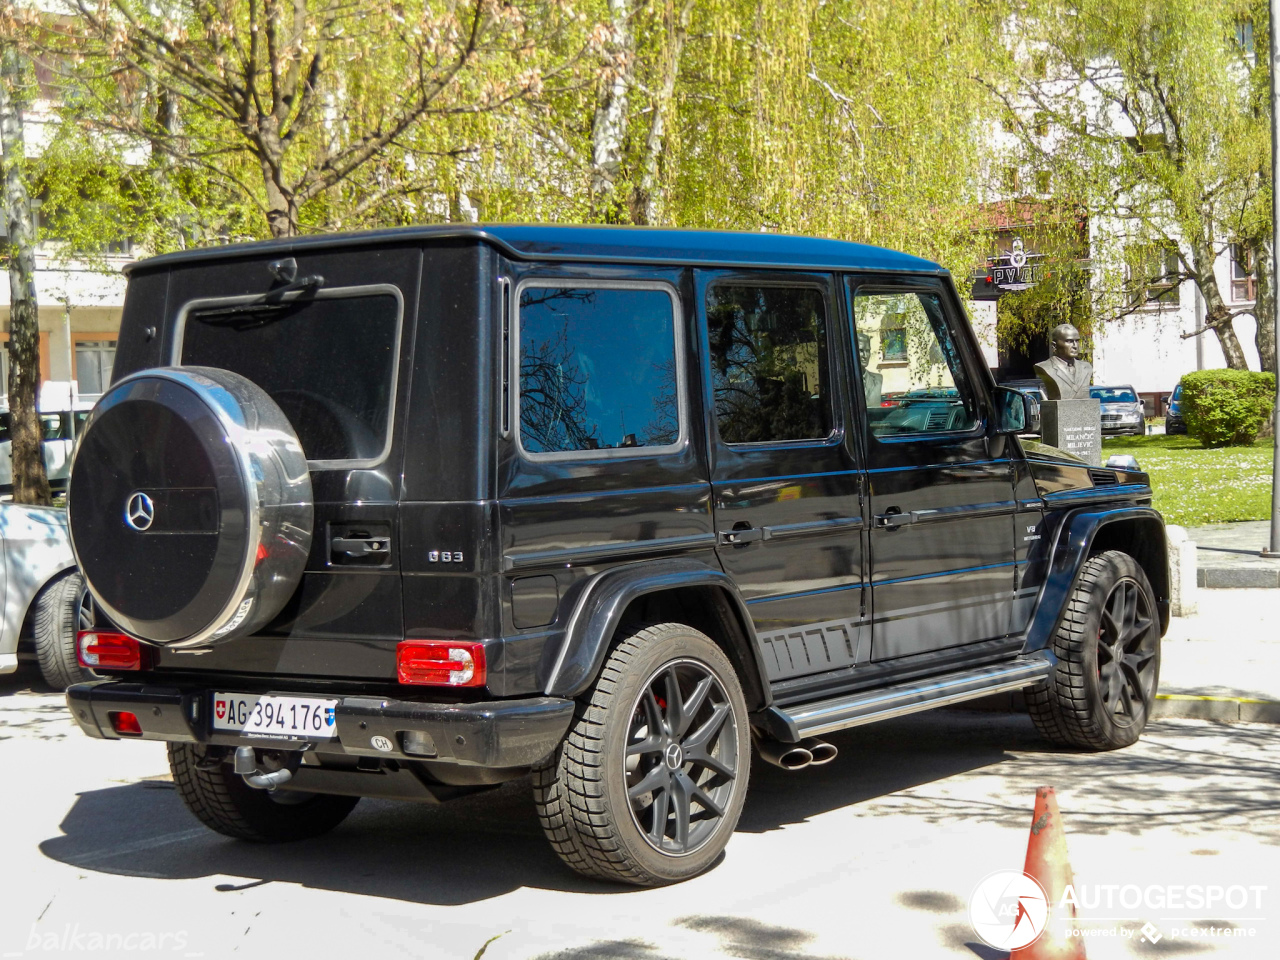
(873, 856)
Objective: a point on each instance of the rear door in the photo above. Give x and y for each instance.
(334, 355)
(941, 491)
(785, 473)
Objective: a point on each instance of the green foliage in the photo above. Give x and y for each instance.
(1226, 408)
(1195, 485)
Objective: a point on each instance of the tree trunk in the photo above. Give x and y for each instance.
(1264, 311)
(646, 206)
(1217, 316)
(609, 126)
(30, 482)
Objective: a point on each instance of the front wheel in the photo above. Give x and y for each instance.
(650, 781)
(1102, 691)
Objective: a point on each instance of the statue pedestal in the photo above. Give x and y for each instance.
(1074, 426)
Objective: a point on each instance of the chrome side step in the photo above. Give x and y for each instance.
(796, 722)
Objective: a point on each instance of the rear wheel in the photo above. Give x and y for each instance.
(1103, 688)
(650, 782)
(223, 802)
(63, 608)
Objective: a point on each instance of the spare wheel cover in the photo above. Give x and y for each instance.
(189, 506)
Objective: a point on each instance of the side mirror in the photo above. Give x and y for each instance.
(1016, 412)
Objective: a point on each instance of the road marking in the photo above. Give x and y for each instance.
(1188, 696)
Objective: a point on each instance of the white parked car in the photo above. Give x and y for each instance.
(62, 416)
(43, 592)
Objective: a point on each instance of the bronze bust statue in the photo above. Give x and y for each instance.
(1064, 375)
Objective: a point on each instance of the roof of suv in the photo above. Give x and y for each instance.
(598, 243)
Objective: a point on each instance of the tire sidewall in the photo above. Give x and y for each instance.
(1114, 568)
(682, 644)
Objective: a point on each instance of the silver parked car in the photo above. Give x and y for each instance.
(43, 592)
(1122, 411)
(62, 418)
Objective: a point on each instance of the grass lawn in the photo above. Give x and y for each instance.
(1193, 485)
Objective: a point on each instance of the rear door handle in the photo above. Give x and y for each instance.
(740, 535)
(360, 546)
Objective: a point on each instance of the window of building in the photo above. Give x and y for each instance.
(598, 368)
(1009, 123)
(1155, 274)
(1244, 35)
(929, 392)
(1244, 279)
(94, 360)
(1044, 181)
(769, 362)
(1042, 124)
(1009, 179)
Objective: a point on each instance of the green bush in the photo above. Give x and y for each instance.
(1226, 408)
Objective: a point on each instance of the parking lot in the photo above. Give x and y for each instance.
(874, 855)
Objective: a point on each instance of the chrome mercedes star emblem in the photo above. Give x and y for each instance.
(139, 511)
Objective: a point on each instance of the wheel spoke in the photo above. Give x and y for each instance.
(689, 709)
(650, 744)
(675, 702)
(1130, 594)
(1109, 626)
(702, 737)
(1111, 677)
(1133, 680)
(659, 809)
(680, 806)
(655, 779)
(695, 792)
(1126, 700)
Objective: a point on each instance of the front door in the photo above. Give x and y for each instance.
(941, 488)
(786, 482)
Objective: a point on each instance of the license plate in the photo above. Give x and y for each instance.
(294, 718)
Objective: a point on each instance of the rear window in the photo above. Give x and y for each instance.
(1113, 394)
(329, 361)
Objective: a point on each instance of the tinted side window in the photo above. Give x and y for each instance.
(329, 363)
(769, 362)
(912, 374)
(598, 368)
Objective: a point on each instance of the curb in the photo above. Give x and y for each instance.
(1241, 577)
(1169, 706)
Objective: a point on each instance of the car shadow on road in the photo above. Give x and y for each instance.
(490, 844)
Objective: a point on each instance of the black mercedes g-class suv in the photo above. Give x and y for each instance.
(415, 512)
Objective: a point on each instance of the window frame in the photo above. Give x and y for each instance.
(835, 435)
(333, 293)
(858, 286)
(513, 378)
(1247, 277)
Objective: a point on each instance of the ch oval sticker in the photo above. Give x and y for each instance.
(382, 743)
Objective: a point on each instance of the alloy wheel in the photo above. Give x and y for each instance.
(1127, 641)
(681, 757)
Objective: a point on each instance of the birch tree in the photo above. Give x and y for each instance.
(30, 482)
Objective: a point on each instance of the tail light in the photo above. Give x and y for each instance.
(124, 723)
(441, 663)
(100, 650)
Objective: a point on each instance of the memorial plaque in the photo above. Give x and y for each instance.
(1074, 426)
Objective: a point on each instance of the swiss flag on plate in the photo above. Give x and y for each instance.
(220, 708)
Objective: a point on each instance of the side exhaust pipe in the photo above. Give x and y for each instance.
(788, 756)
(821, 751)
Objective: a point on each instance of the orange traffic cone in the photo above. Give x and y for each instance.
(1047, 864)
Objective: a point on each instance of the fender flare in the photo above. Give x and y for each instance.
(605, 599)
(1076, 535)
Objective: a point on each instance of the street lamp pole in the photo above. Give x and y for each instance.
(1272, 548)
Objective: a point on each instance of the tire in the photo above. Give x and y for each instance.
(63, 607)
(223, 802)
(193, 482)
(699, 774)
(1100, 694)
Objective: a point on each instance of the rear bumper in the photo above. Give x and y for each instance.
(494, 733)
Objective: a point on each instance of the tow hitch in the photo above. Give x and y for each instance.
(278, 767)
